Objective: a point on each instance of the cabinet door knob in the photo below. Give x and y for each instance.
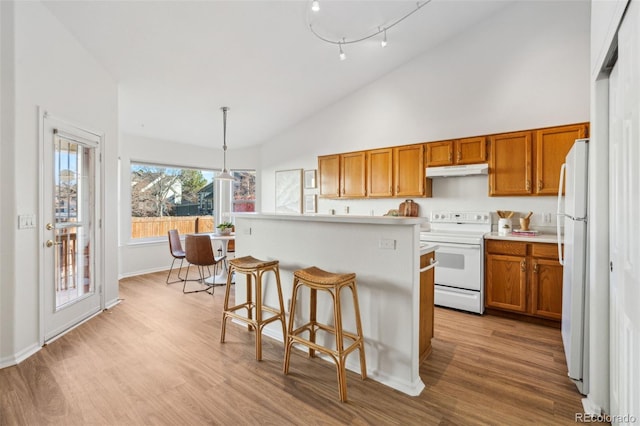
(535, 268)
(450, 157)
(540, 185)
(523, 265)
(459, 155)
(528, 185)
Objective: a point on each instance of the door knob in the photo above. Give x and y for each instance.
(50, 243)
(49, 226)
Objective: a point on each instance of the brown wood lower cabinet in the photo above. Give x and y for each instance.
(426, 305)
(524, 278)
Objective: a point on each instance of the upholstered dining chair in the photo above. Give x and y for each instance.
(175, 248)
(199, 253)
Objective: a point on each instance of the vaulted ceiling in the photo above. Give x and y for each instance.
(178, 62)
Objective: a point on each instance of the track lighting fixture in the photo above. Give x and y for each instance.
(382, 29)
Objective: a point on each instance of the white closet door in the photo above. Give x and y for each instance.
(624, 204)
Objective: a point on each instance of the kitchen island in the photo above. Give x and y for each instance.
(384, 252)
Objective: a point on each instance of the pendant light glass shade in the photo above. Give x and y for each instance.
(225, 175)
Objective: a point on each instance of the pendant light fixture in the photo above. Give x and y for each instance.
(225, 175)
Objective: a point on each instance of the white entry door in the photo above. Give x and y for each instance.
(70, 193)
(624, 202)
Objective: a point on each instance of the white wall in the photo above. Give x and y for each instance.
(606, 16)
(7, 189)
(524, 68)
(53, 71)
(150, 256)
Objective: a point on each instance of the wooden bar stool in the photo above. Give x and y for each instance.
(317, 279)
(253, 268)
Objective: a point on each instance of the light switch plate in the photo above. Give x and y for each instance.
(26, 221)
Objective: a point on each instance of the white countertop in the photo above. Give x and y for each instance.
(316, 217)
(426, 248)
(542, 237)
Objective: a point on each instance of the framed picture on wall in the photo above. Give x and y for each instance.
(310, 179)
(310, 203)
(289, 191)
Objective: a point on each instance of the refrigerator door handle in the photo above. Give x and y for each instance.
(559, 213)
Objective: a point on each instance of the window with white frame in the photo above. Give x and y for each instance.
(171, 197)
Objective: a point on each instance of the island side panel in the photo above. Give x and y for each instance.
(387, 279)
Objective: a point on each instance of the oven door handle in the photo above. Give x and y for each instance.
(431, 266)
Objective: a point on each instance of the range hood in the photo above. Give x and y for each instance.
(463, 170)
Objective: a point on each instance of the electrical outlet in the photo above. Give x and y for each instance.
(546, 218)
(247, 231)
(387, 244)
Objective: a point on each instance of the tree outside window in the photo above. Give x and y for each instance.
(164, 198)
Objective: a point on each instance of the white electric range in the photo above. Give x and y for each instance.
(459, 276)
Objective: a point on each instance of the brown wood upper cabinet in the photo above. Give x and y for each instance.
(397, 172)
(409, 173)
(329, 175)
(377, 173)
(459, 151)
(552, 146)
(353, 167)
(525, 163)
(380, 172)
(343, 175)
(510, 164)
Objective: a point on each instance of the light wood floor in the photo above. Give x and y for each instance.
(156, 359)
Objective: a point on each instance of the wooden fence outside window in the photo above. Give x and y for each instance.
(146, 227)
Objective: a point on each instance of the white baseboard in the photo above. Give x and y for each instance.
(591, 407)
(142, 272)
(20, 356)
(112, 303)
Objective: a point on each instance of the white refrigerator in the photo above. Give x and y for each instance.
(574, 286)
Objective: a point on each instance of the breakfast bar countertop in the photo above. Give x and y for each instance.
(337, 218)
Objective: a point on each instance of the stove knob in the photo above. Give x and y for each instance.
(478, 217)
(437, 216)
